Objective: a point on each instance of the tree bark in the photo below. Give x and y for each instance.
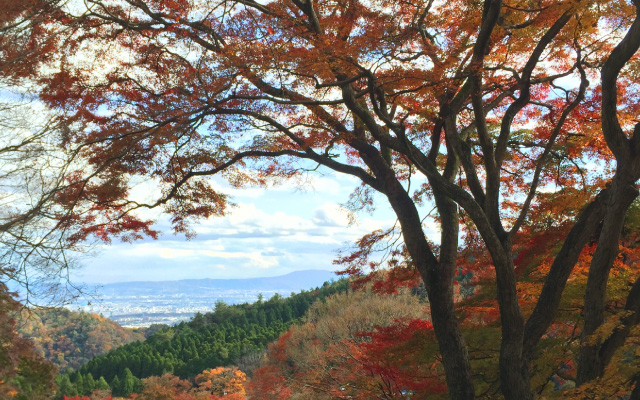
(635, 395)
(555, 282)
(619, 336)
(440, 291)
(514, 379)
(622, 194)
(437, 275)
(438, 278)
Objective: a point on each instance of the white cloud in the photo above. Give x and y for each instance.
(247, 217)
(269, 232)
(254, 257)
(330, 214)
(175, 253)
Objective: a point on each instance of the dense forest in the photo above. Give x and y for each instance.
(364, 338)
(355, 345)
(502, 137)
(230, 335)
(69, 339)
(24, 373)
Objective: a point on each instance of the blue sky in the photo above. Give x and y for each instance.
(274, 231)
(270, 232)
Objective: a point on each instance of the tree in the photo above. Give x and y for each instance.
(128, 383)
(65, 388)
(101, 384)
(89, 384)
(78, 383)
(494, 103)
(116, 386)
(358, 345)
(169, 387)
(24, 374)
(35, 247)
(107, 397)
(222, 381)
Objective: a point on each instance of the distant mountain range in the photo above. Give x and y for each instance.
(293, 282)
(137, 304)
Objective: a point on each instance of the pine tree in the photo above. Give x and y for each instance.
(128, 383)
(116, 386)
(89, 384)
(65, 388)
(101, 384)
(262, 318)
(78, 383)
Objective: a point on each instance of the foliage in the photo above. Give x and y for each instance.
(221, 381)
(207, 341)
(216, 384)
(35, 254)
(356, 345)
(86, 398)
(170, 387)
(399, 358)
(69, 339)
(24, 375)
(516, 120)
(165, 387)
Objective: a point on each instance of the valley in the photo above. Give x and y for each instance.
(141, 304)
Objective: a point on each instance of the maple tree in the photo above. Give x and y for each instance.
(34, 252)
(24, 374)
(358, 345)
(511, 112)
(86, 398)
(222, 382)
(169, 387)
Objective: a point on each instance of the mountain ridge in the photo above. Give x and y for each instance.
(296, 280)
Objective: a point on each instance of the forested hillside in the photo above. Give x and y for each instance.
(232, 334)
(356, 345)
(24, 374)
(69, 339)
(498, 139)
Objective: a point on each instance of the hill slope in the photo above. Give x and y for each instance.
(69, 339)
(210, 340)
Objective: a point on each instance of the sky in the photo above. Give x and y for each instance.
(269, 232)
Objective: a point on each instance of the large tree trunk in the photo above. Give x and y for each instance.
(440, 290)
(556, 280)
(618, 337)
(635, 395)
(453, 348)
(623, 192)
(514, 378)
(438, 278)
(591, 364)
(437, 274)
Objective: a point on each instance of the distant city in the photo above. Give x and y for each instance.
(167, 308)
(141, 304)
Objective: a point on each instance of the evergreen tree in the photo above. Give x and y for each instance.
(262, 318)
(101, 384)
(116, 386)
(212, 340)
(288, 313)
(128, 383)
(89, 384)
(78, 383)
(65, 388)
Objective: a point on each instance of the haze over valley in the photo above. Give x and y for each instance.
(141, 304)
